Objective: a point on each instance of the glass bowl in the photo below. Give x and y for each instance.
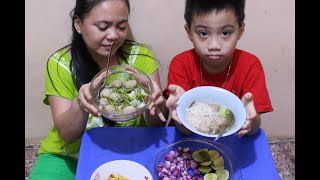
(134, 90)
(193, 144)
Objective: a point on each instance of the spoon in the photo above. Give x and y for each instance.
(108, 62)
(224, 129)
(109, 58)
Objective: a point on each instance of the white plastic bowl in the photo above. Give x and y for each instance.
(212, 95)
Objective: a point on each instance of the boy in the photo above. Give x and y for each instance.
(214, 27)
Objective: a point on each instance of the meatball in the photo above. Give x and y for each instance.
(115, 97)
(203, 127)
(222, 121)
(214, 128)
(215, 107)
(105, 92)
(130, 84)
(110, 109)
(103, 102)
(116, 83)
(129, 109)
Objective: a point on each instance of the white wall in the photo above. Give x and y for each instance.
(269, 34)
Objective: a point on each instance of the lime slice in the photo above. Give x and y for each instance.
(210, 176)
(222, 174)
(213, 155)
(217, 167)
(201, 155)
(206, 163)
(204, 170)
(219, 161)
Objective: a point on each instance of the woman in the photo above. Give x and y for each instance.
(97, 24)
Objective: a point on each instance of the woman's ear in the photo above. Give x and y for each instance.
(241, 30)
(77, 25)
(188, 31)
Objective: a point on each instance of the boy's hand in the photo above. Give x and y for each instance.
(253, 121)
(175, 93)
(178, 123)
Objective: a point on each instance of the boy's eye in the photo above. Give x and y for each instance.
(203, 34)
(225, 33)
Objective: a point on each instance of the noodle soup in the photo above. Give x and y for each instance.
(198, 110)
(208, 118)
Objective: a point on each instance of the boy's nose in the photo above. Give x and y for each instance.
(214, 44)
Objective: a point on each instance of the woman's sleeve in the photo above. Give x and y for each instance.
(58, 79)
(146, 61)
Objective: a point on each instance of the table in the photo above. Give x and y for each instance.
(100, 145)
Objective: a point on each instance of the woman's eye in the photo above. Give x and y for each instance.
(203, 34)
(102, 28)
(123, 28)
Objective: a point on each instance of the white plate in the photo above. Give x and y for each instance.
(129, 169)
(212, 95)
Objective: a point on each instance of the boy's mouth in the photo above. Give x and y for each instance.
(214, 57)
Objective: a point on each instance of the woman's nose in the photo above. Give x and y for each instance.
(112, 34)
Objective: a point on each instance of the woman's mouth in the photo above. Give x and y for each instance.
(106, 47)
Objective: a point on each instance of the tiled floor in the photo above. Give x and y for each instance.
(31, 151)
(283, 152)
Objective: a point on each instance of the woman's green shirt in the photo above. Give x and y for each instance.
(59, 82)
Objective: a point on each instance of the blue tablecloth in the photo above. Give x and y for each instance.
(100, 145)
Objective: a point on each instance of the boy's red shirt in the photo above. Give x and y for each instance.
(246, 75)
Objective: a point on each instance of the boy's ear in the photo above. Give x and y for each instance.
(241, 30)
(76, 24)
(188, 31)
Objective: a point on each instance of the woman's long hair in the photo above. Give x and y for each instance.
(82, 66)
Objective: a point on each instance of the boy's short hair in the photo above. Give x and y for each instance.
(200, 7)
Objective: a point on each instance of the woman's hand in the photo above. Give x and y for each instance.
(253, 119)
(70, 117)
(157, 101)
(85, 100)
(175, 93)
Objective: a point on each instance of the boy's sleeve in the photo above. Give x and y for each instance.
(178, 74)
(256, 84)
